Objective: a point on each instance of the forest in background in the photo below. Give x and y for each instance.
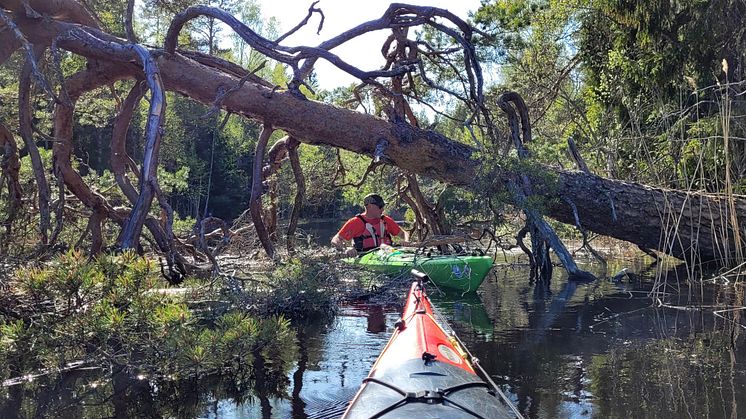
(650, 93)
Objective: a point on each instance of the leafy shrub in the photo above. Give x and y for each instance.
(115, 310)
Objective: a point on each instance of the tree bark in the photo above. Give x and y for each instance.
(300, 192)
(255, 202)
(24, 115)
(687, 225)
(86, 80)
(120, 161)
(130, 235)
(10, 166)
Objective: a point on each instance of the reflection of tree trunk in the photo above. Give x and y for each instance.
(14, 402)
(298, 404)
(51, 399)
(260, 385)
(376, 319)
(734, 370)
(131, 397)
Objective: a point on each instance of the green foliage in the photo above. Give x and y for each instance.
(174, 182)
(301, 291)
(635, 84)
(114, 310)
(183, 226)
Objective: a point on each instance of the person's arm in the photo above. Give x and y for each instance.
(402, 234)
(339, 243)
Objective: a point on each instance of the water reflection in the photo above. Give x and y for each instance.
(340, 356)
(376, 319)
(606, 349)
(465, 312)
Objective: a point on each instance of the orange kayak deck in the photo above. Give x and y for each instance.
(424, 373)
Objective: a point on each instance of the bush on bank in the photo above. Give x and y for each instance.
(115, 311)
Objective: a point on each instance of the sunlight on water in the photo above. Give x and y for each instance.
(605, 349)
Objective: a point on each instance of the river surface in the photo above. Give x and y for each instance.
(623, 347)
(630, 346)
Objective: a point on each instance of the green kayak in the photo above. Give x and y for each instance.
(458, 272)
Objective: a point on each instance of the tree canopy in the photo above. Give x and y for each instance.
(166, 106)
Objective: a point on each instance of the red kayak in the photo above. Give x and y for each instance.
(424, 372)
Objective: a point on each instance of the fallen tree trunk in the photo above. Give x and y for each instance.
(687, 225)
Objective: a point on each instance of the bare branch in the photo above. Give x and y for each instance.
(10, 166)
(222, 95)
(255, 202)
(300, 192)
(128, 21)
(311, 11)
(370, 169)
(31, 56)
(25, 125)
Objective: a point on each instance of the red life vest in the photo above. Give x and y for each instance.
(373, 235)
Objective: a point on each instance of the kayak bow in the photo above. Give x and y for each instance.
(425, 372)
(464, 273)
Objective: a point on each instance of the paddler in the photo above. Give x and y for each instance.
(369, 229)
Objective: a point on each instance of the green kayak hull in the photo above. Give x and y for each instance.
(462, 273)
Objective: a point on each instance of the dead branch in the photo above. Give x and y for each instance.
(300, 192)
(286, 55)
(541, 232)
(340, 168)
(275, 156)
(419, 151)
(25, 125)
(119, 158)
(32, 54)
(576, 156)
(10, 166)
(420, 226)
(311, 11)
(128, 22)
(430, 216)
(255, 202)
(148, 175)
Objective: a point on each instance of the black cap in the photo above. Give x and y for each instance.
(374, 199)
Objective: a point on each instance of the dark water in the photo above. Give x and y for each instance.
(615, 348)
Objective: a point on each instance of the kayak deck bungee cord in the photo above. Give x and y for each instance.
(424, 371)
